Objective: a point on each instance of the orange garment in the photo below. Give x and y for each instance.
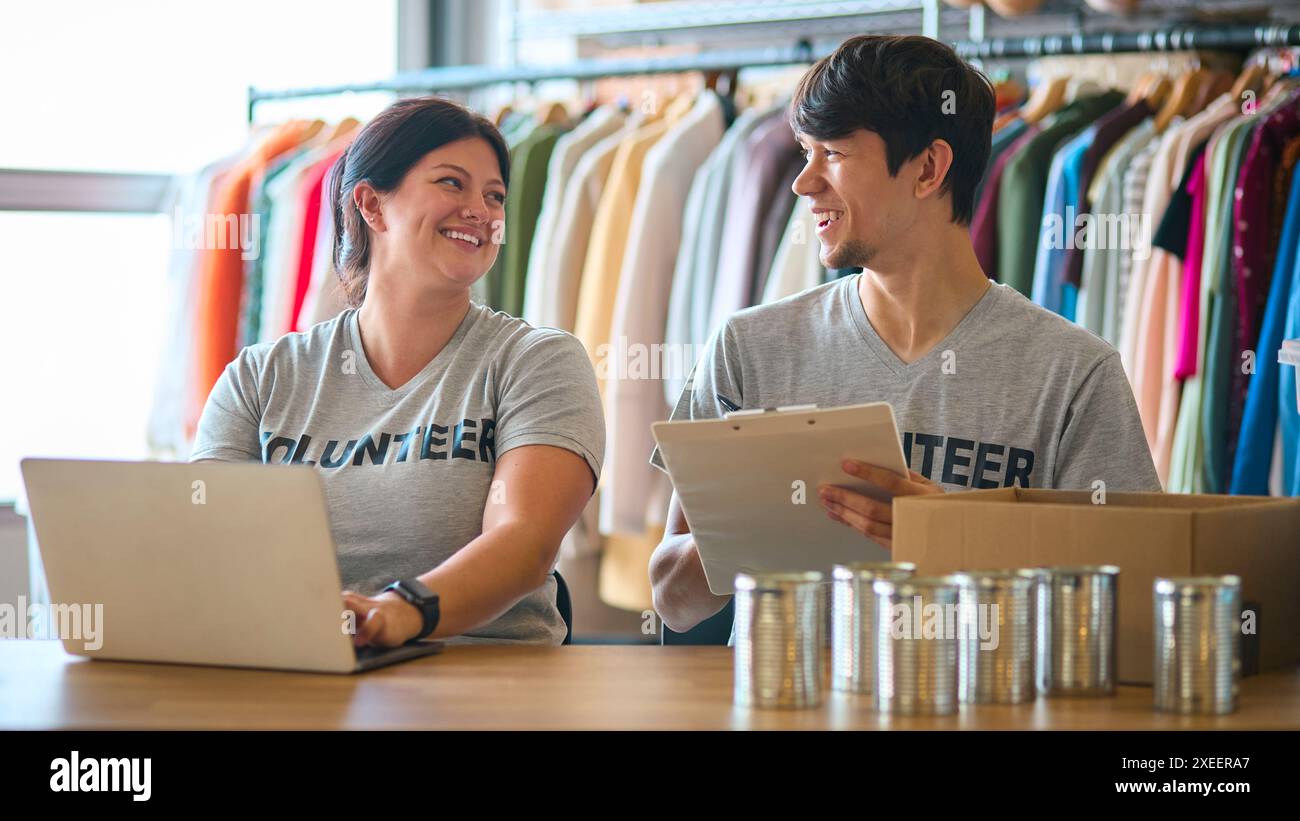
(1005, 118)
(220, 284)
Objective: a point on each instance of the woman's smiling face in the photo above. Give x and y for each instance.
(446, 220)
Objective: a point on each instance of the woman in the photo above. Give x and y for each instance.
(456, 444)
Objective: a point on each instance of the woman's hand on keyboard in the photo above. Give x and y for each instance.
(385, 620)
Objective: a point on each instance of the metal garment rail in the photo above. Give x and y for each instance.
(453, 78)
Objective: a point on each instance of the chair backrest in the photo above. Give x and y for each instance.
(716, 629)
(564, 603)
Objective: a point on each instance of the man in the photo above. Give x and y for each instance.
(989, 390)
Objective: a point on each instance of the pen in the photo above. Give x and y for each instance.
(727, 403)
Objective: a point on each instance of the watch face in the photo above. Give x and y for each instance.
(416, 587)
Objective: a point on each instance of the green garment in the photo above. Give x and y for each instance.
(1024, 180)
(251, 327)
(1188, 457)
(529, 164)
(1221, 292)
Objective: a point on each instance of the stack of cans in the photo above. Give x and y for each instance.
(916, 645)
(1081, 633)
(996, 623)
(853, 621)
(779, 627)
(1197, 655)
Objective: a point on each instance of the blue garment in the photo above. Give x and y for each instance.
(1288, 414)
(1259, 421)
(1001, 141)
(1060, 216)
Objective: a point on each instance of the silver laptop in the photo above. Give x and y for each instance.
(214, 563)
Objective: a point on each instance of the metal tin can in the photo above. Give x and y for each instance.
(853, 621)
(778, 655)
(1082, 631)
(996, 619)
(916, 645)
(1197, 644)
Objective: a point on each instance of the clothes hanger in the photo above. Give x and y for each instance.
(552, 113)
(1251, 79)
(1141, 87)
(1157, 92)
(1047, 97)
(345, 127)
(1218, 84)
(1181, 96)
(311, 130)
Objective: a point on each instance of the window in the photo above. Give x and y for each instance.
(135, 87)
(163, 86)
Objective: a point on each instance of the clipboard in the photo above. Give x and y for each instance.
(738, 479)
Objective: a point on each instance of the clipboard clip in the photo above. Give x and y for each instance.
(760, 411)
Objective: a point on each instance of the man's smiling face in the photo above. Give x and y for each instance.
(860, 208)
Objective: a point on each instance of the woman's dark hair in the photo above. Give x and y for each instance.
(381, 154)
(910, 90)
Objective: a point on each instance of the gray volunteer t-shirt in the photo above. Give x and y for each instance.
(1014, 395)
(407, 472)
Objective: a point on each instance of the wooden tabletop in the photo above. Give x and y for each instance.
(579, 687)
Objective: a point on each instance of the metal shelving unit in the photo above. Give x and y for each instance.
(1171, 38)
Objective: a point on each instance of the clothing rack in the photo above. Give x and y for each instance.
(453, 78)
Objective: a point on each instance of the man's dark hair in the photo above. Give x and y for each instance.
(910, 90)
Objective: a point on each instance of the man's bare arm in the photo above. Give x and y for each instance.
(681, 594)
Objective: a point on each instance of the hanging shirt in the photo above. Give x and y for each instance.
(1003, 139)
(696, 269)
(1155, 382)
(1109, 129)
(757, 170)
(1255, 229)
(528, 164)
(636, 398)
(407, 470)
(983, 409)
(1254, 453)
(984, 223)
(797, 266)
(1190, 313)
(1288, 413)
(545, 276)
(1186, 474)
(220, 280)
(1105, 263)
(1023, 183)
(1058, 225)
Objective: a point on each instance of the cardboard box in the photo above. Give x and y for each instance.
(1146, 534)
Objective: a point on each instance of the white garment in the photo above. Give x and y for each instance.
(543, 268)
(1099, 282)
(325, 298)
(636, 400)
(797, 265)
(188, 200)
(558, 304)
(697, 262)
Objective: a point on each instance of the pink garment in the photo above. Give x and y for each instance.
(1190, 314)
(312, 187)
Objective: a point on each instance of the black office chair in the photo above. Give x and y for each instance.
(716, 629)
(564, 603)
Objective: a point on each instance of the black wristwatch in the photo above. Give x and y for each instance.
(425, 600)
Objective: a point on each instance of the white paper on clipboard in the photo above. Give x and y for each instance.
(738, 477)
